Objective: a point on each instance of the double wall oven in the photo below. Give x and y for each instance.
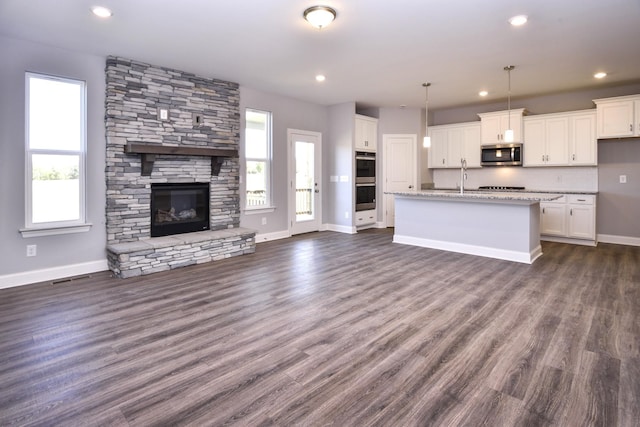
(365, 181)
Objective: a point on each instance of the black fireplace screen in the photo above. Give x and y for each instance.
(179, 208)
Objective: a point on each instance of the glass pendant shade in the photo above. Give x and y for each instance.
(426, 142)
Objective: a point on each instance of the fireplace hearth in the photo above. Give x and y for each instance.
(179, 208)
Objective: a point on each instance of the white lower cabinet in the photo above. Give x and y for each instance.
(365, 217)
(553, 217)
(569, 218)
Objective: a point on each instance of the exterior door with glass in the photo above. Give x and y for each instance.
(305, 180)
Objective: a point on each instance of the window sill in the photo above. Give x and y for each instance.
(259, 211)
(52, 231)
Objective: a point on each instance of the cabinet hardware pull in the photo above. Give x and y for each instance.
(582, 200)
(631, 128)
(543, 210)
(571, 212)
(573, 157)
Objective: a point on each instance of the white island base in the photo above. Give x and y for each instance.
(498, 228)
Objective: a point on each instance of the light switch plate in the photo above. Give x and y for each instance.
(623, 179)
(163, 114)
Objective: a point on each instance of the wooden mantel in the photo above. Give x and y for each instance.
(148, 154)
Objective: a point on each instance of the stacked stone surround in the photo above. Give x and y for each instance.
(135, 93)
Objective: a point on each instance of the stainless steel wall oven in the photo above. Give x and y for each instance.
(365, 181)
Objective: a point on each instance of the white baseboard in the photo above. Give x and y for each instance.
(54, 273)
(277, 235)
(568, 240)
(523, 257)
(341, 228)
(619, 240)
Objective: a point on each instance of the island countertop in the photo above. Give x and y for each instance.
(506, 196)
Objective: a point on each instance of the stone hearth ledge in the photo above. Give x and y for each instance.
(157, 254)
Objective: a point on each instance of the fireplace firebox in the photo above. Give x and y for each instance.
(179, 208)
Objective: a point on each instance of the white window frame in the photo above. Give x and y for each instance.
(268, 207)
(55, 227)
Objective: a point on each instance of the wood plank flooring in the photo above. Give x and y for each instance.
(332, 329)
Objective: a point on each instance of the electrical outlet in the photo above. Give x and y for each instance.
(623, 179)
(264, 220)
(32, 250)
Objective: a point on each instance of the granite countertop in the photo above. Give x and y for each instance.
(592, 192)
(524, 196)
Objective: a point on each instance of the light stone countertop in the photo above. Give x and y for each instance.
(517, 196)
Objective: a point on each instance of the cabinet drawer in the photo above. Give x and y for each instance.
(581, 199)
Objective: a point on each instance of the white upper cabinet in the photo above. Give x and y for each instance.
(583, 144)
(561, 139)
(618, 117)
(366, 133)
(451, 143)
(494, 125)
(546, 140)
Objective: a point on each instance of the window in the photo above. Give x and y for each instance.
(55, 151)
(257, 137)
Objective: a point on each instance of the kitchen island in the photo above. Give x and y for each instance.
(503, 225)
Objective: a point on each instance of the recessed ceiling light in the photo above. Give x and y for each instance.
(102, 12)
(600, 75)
(518, 20)
(483, 93)
(320, 78)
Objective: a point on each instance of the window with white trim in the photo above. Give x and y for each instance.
(257, 149)
(55, 151)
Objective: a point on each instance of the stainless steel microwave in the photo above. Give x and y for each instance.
(501, 155)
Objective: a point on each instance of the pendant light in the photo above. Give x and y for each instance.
(508, 134)
(426, 143)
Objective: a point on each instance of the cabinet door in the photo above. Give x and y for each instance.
(438, 151)
(514, 122)
(636, 124)
(553, 219)
(491, 129)
(534, 146)
(615, 119)
(581, 222)
(583, 140)
(557, 141)
(454, 147)
(471, 145)
(366, 134)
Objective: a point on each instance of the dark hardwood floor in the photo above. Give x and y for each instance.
(332, 329)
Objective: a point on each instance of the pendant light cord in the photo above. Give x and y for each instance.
(426, 108)
(508, 70)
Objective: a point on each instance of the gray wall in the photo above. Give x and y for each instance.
(339, 161)
(61, 250)
(543, 104)
(618, 212)
(287, 113)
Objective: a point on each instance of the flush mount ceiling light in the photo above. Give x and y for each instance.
(508, 134)
(101, 12)
(483, 93)
(426, 143)
(320, 78)
(600, 75)
(518, 20)
(319, 16)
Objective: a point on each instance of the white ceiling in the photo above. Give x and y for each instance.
(376, 53)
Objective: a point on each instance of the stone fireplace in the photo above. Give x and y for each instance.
(171, 128)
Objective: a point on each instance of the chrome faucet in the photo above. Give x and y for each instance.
(463, 174)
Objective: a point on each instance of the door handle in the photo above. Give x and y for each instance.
(316, 191)
(411, 186)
